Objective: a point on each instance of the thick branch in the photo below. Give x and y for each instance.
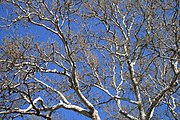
(157, 99)
(136, 89)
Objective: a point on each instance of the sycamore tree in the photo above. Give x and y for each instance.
(120, 57)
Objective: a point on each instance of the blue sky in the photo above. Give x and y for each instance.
(42, 35)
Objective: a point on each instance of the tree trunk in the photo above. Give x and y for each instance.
(95, 115)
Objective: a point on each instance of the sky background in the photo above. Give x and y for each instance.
(42, 35)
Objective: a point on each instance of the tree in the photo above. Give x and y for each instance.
(121, 57)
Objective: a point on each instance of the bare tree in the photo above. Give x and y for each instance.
(121, 57)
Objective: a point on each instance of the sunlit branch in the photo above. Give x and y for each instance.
(53, 89)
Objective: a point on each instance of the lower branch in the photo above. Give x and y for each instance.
(127, 115)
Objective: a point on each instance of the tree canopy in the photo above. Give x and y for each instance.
(102, 59)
